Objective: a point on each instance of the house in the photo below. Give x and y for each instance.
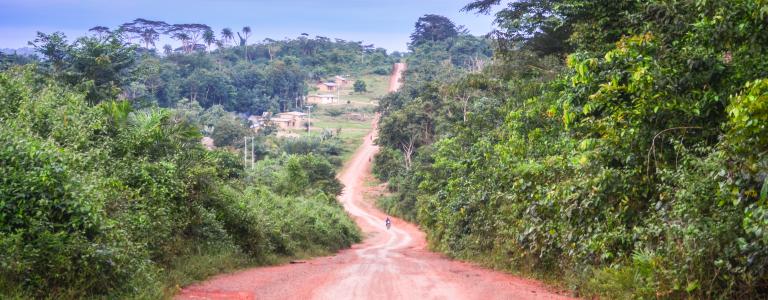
(283, 123)
(295, 115)
(255, 120)
(259, 121)
(325, 87)
(288, 120)
(340, 81)
(322, 99)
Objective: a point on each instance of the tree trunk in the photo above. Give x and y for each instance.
(408, 152)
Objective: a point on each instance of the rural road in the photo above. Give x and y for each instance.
(388, 264)
(395, 80)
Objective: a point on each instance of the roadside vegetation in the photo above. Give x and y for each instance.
(110, 201)
(107, 191)
(616, 147)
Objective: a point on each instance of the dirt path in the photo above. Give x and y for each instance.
(389, 264)
(396, 79)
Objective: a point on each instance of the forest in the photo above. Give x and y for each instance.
(209, 68)
(614, 148)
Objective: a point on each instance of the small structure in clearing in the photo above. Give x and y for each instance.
(322, 99)
(288, 120)
(340, 81)
(325, 87)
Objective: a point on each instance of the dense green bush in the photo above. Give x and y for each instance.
(52, 221)
(635, 168)
(108, 201)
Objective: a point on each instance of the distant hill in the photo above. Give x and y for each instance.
(25, 51)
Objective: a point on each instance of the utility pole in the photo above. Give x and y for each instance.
(245, 151)
(253, 151)
(309, 118)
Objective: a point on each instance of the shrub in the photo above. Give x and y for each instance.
(107, 202)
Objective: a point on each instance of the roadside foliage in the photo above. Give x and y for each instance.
(615, 147)
(107, 192)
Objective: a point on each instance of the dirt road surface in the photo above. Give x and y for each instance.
(396, 79)
(388, 264)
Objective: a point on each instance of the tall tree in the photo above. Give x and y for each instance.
(188, 33)
(167, 49)
(272, 47)
(184, 39)
(560, 26)
(101, 65)
(148, 31)
(149, 36)
(53, 47)
(209, 38)
(244, 40)
(100, 31)
(432, 28)
(227, 35)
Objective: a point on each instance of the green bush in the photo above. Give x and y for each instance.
(381, 71)
(635, 169)
(53, 223)
(109, 202)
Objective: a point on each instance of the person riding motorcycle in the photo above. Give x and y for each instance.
(388, 222)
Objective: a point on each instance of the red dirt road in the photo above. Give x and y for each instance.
(396, 79)
(389, 264)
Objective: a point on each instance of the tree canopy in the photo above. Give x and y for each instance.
(432, 28)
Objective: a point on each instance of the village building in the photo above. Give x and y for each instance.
(287, 120)
(297, 115)
(340, 81)
(326, 87)
(283, 123)
(322, 99)
(257, 122)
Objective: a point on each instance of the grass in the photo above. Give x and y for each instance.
(340, 122)
(200, 267)
(352, 139)
(334, 116)
(377, 86)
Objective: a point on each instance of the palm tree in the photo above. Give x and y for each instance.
(244, 40)
(154, 132)
(227, 35)
(209, 38)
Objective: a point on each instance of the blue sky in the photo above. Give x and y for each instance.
(385, 23)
